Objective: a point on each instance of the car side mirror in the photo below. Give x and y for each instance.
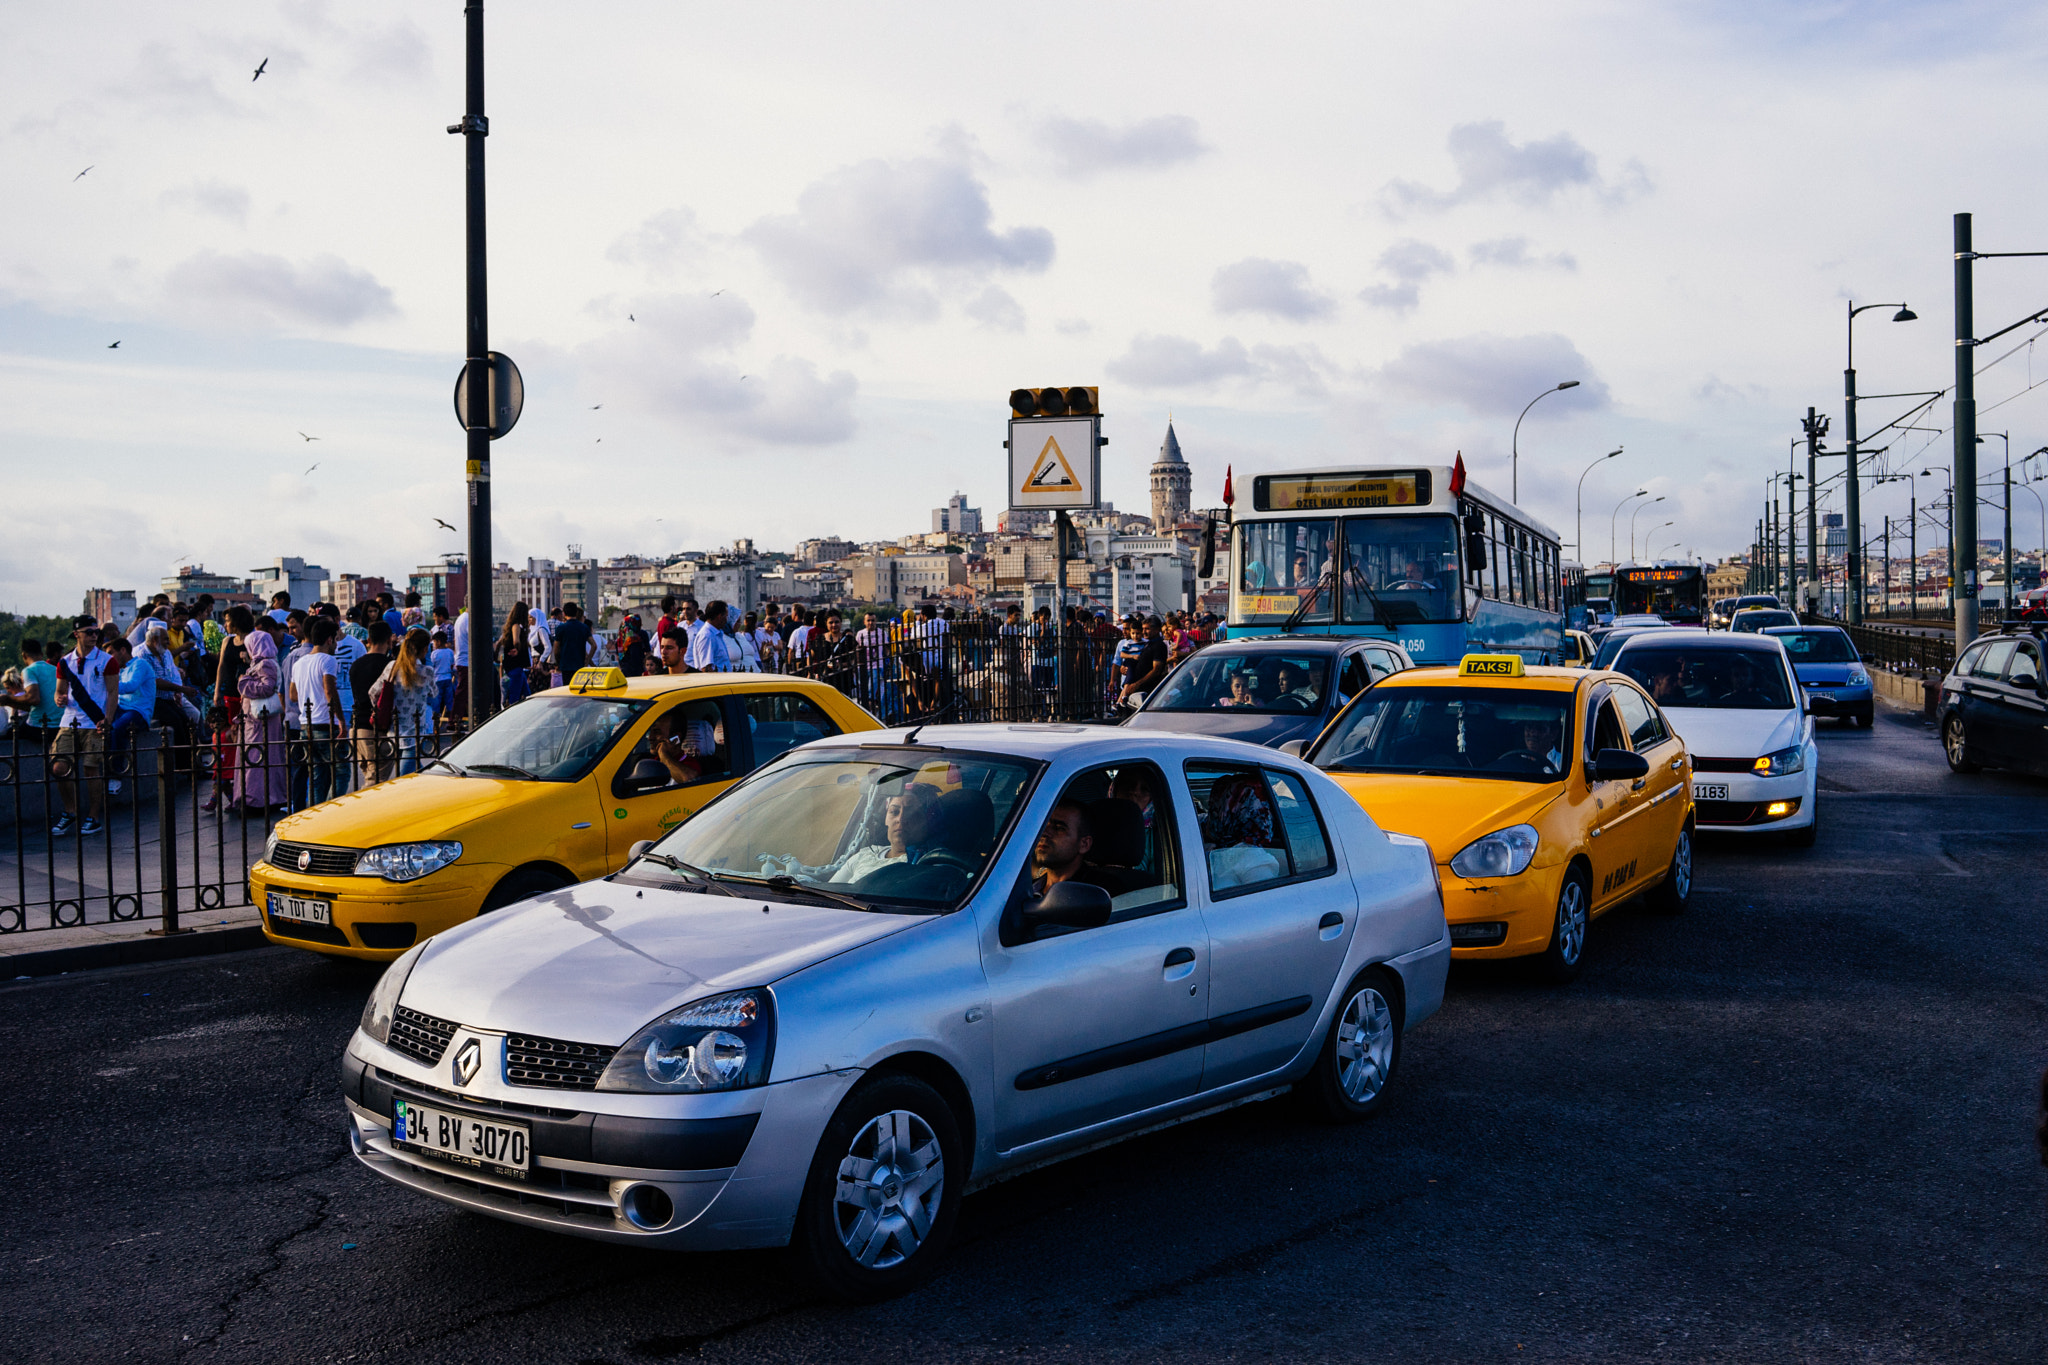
(1067, 905)
(1619, 765)
(1294, 747)
(639, 847)
(647, 774)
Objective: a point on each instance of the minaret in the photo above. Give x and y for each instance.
(1172, 484)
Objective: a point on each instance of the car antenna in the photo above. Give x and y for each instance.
(911, 738)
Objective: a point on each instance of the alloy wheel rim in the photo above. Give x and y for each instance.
(1954, 735)
(1365, 1045)
(1681, 865)
(890, 1184)
(1571, 922)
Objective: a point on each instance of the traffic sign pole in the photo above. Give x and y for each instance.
(474, 128)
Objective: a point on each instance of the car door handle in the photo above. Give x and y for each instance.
(1331, 927)
(1180, 957)
(1677, 763)
(1637, 785)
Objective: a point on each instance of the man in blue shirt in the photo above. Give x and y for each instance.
(134, 708)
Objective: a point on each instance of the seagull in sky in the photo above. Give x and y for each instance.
(113, 345)
(309, 438)
(595, 406)
(312, 467)
(631, 318)
(442, 524)
(81, 175)
(259, 70)
(716, 293)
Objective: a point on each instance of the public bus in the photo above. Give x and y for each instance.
(1676, 592)
(1420, 556)
(1574, 580)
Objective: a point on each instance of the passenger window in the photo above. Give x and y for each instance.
(2026, 667)
(1306, 844)
(1357, 676)
(1115, 826)
(687, 743)
(1645, 728)
(1604, 730)
(779, 721)
(1243, 837)
(1991, 663)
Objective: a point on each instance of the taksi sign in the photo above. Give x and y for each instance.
(1055, 463)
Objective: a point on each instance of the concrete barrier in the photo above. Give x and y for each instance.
(1916, 690)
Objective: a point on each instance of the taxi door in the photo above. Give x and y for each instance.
(1660, 805)
(1612, 845)
(644, 799)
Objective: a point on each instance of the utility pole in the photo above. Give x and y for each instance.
(1816, 427)
(1963, 510)
(474, 128)
(1913, 547)
(1885, 608)
(2010, 600)
(1852, 543)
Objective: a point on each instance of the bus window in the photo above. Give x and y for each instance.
(1399, 570)
(1282, 563)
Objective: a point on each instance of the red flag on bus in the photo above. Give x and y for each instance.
(1229, 498)
(1458, 476)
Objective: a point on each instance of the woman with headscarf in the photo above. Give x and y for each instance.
(260, 775)
(1238, 833)
(225, 715)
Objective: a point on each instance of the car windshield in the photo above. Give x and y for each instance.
(1748, 622)
(1249, 680)
(906, 830)
(1523, 736)
(1816, 646)
(545, 739)
(1716, 679)
(1611, 646)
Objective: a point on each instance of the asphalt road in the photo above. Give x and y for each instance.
(1795, 1124)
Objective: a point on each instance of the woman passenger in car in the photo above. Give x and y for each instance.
(1240, 693)
(1239, 833)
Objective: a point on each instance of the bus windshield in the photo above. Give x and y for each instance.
(1283, 565)
(1401, 570)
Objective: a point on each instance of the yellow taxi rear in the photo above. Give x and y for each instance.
(1547, 796)
(546, 794)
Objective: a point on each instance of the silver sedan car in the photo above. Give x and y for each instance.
(890, 968)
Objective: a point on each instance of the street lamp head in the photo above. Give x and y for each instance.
(1617, 450)
(1569, 384)
(1905, 314)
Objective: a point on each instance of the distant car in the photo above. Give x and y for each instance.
(1579, 650)
(1268, 689)
(888, 968)
(1612, 641)
(1600, 611)
(1754, 620)
(1637, 619)
(1757, 599)
(1718, 614)
(1736, 702)
(1993, 709)
(1836, 682)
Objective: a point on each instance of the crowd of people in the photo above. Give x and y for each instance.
(289, 706)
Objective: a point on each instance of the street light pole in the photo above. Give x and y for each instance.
(1515, 441)
(1963, 519)
(1611, 529)
(1580, 543)
(1632, 521)
(1854, 567)
(474, 128)
(1816, 427)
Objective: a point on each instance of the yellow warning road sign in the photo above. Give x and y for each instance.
(1050, 472)
(1054, 463)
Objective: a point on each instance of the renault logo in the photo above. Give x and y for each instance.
(469, 1059)
(305, 859)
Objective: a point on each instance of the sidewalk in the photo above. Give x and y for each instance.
(46, 952)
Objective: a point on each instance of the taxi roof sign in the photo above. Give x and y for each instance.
(1490, 666)
(597, 680)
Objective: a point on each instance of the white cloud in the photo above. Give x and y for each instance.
(888, 237)
(214, 197)
(665, 241)
(1514, 254)
(1410, 262)
(1171, 362)
(1278, 289)
(1492, 166)
(994, 308)
(254, 288)
(1088, 147)
(1493, 375)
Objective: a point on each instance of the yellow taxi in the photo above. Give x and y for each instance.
(1579, 650)
(548, 793)
(1548, 796)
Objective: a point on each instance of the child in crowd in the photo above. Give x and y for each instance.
(443, 659)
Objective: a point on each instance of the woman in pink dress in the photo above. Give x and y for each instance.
(260, 775)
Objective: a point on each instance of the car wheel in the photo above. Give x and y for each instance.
(1357, 1063)
(527, 881)
(1674, 893)
(884, 1189)
(1956, 745)
(1804, 836)
(1865, 718)
(1566, 954)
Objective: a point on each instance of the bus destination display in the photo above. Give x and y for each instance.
(1658, 575)
(1334, 492)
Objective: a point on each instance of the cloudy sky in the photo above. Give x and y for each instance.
(770, 270)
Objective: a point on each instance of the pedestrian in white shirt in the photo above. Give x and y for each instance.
(315, 696)
(710, 651)
(88, 703)
(459, 703)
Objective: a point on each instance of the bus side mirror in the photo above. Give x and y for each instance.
(1205, 567)
(1475, 552)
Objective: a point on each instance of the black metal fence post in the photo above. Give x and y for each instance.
(166, 837)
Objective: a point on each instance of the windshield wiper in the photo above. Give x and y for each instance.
(514, 769)
(1308, 603)
(688, 870)
(785, 883)
(457, 769)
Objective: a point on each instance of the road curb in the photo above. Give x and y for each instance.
(130, 951)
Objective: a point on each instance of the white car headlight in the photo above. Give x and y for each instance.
(724, 1043)
(383, 1001)
(1792, 760)
(1858, 676)
(407, 862)
(1503, 853)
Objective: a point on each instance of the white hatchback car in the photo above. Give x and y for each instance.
(891, 967)
(1736, 702)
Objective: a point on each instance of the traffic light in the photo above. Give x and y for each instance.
(1074, 402)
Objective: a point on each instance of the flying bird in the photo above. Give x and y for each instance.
(310, 438)
(81, 175)
(716, 293)
(595, 406)
(442, 524)
(259, 70)
(113, 345)
(312, 467)
(631, 318)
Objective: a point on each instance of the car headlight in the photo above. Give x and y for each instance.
(383, 1001)
(1858, 676)
(724, 1043)
(270, 849)
(1503, 853)
(1792, 760)
(407, 862)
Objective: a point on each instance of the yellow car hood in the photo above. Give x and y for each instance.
(1447, 813)
(422, 806)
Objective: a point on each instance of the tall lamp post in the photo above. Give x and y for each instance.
(1580, 544)
(1632, 521)
(1613, 532)
(1854, 512)
(474, 128)
(1515, 441)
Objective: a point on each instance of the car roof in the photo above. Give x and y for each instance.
(1786, 630)
(1053, 740)
(661, 684)
(1324, 644)
(1718, 639)
(1536, 678)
